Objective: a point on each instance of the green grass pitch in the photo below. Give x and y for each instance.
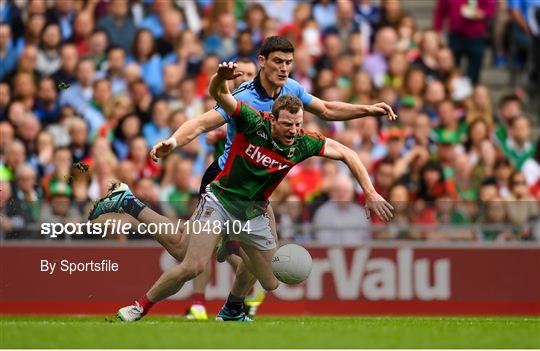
(271, 332)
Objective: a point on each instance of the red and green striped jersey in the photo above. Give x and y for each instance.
(257, 164)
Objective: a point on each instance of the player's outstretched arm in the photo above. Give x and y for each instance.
(219, 89)
(342, 111)
(374, 201)
(187, 132)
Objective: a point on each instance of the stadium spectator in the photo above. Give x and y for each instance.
(15, 155)
(118, 25)
(502, 171)
(292, 225)
(398, 228)
(178, 198)
(48, 59)
(480, 106)
(521, 206)
(83, 26)
(157, 129)
(144, 54)
(78, 135)
(376, 64)
(172, 30)
(154, 21)
(531, 168)
(518, 146)
(223, 40)
(97, 47)
(99, 106)
(341, 212)
(114, 70)
(8, 56)
(68, 59)
(26, 200)
(128, 128)
(384, 177)
(5, 99)
(495, 222)
(46, 106)
(7, 135)
(80, 93)
(466, 30)
(140, 157)
(70, 92)
(477, 134)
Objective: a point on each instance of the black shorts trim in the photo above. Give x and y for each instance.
(209, 175)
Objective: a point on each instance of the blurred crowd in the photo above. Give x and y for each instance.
(88, 87)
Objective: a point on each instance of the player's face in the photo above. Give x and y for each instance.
(276, 67)
(249, 70)
(287, 126)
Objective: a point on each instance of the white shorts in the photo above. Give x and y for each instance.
(255, 232)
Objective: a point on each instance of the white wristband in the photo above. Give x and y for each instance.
(173, 142)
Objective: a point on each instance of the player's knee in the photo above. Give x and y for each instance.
(193, 268)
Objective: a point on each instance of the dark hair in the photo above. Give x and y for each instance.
(275, 43)
(45, 27)
(513, 121)
(115, 47)
(512, 182)
(134, 48)
(489, 181)
(290, 103)
(502, 161)
(430, 194)
(385, 161)
(479, 120)
(119, 132)
(510, 98)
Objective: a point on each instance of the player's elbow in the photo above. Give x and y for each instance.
(346, 155)
(326, 114)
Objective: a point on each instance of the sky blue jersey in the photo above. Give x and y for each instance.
(253, 93)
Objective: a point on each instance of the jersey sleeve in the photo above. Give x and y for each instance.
(313, 144)
(245, 116)
(300, 92)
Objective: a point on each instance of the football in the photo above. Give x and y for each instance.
(291, 264)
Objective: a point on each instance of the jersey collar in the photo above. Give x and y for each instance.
(260, 89)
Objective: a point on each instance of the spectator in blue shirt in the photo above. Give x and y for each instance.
(46, 106)
(153, 22)
(158, 128)
(80, 93)
(150, 62)
(118, 25)
(8, 57)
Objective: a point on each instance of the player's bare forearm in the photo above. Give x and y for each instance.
(374, 202)
(342, 111)
(193, 128)
(219, 89)
(186, 133)
(337, 151)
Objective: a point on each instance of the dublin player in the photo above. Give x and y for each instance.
(264, 149)
(275, 59)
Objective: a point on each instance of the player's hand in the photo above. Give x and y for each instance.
(161, 149)
(383, 109)
(227, 71)
(377, 204)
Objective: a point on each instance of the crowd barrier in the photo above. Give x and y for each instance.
(387, 278)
